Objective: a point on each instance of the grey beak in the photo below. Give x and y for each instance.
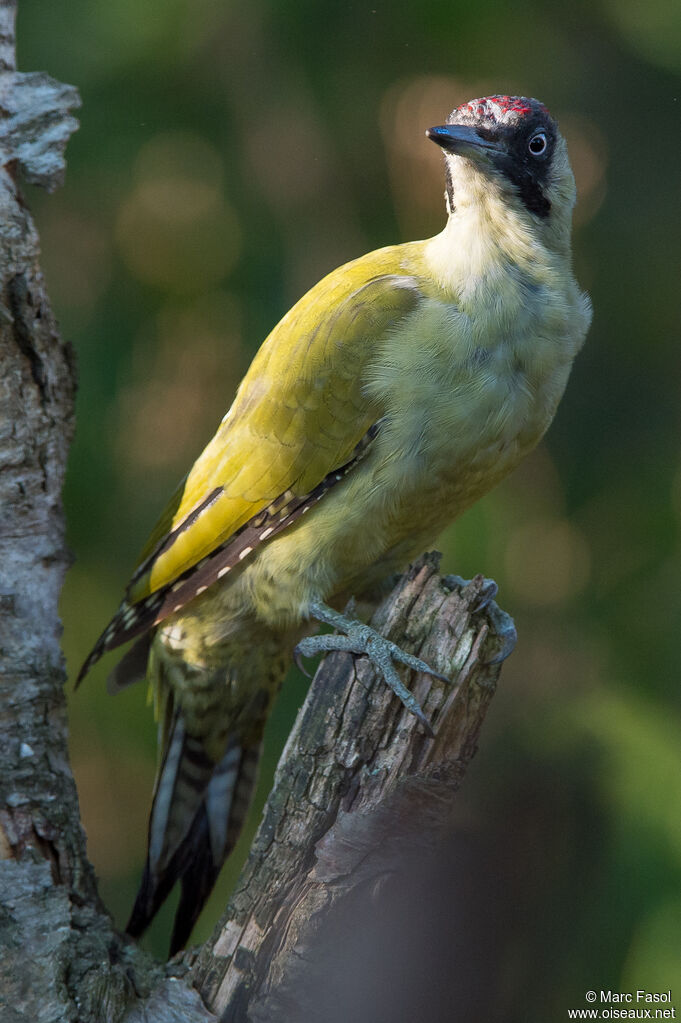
(461, 139)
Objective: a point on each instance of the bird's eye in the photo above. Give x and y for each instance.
(538, 143)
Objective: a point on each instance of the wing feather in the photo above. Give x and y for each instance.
(300, 422)
(133, 620)
(293, 421)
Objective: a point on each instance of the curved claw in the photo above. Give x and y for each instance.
(489, 592)
(298, 661)
(506, 630)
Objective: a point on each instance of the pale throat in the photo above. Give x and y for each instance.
(485, 236)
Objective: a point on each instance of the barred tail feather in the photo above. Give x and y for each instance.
(198, 811)
(214, 833)
(182, 781)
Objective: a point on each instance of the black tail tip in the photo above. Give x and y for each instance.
(150, 897)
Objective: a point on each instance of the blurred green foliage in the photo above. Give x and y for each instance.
(228, 156)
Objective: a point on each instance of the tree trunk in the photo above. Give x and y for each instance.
(361, 793)
(57, 951)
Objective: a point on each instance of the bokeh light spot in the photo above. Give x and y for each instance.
(176, 229)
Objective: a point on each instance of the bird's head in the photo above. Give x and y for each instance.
(508, 145)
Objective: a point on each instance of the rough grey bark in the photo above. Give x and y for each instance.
(360, 787)
(59, 959)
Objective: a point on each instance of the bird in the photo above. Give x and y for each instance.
(392, 396)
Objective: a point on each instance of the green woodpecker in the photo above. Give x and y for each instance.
(393, 395)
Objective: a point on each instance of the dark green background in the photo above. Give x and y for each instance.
(228, 156)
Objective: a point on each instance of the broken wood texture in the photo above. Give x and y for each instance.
(361, 794)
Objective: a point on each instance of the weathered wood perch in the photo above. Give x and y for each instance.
(360, 787)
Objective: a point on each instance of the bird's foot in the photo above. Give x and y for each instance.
(505, 630)
(504, 625)
(358, 638)
(487, 593)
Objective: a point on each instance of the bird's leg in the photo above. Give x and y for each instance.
(358, 638)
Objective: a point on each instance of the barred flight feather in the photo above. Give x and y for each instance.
(133, 619)
(166, 542)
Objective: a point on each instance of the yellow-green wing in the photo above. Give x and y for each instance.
(299, 413)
